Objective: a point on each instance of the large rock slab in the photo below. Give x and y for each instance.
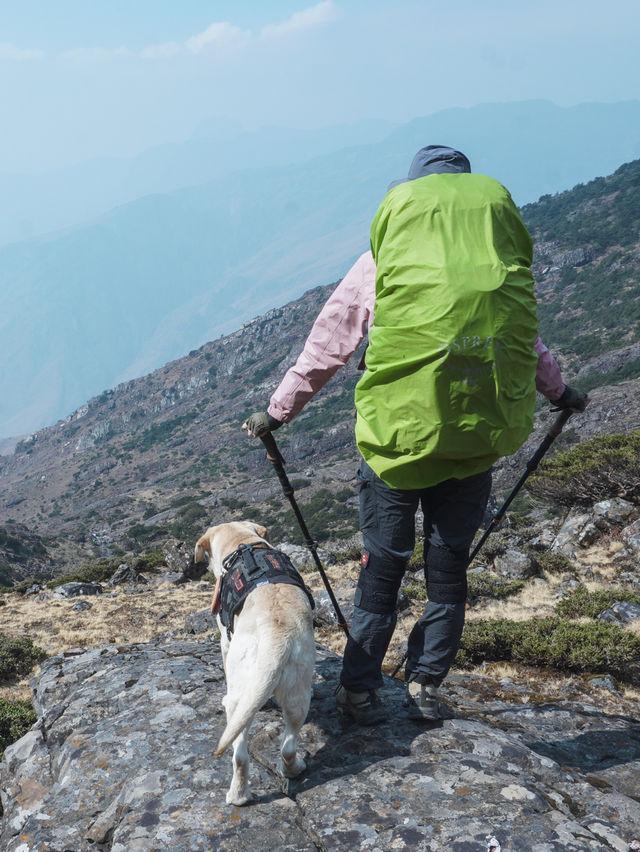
(121, 759)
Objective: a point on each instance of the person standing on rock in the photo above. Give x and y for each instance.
(451, 370)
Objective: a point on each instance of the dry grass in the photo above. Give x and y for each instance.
(535, 600)
(162, 608)
(129, 617)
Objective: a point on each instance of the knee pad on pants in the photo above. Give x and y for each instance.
(377, 590)
(446, 575)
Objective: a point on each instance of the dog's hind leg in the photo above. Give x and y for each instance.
(238, 793)
(290, 764)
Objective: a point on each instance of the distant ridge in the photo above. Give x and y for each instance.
(157, 277)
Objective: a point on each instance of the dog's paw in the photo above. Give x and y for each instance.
(236, 798)
(295, 768)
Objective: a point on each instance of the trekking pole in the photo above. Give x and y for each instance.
(556, 427)
(274, 456)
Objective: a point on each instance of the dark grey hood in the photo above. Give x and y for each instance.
(432, 160)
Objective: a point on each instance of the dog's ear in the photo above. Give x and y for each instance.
(261, 531)
(203, 548)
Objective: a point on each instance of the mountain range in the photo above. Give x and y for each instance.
(165, 454)
(111, 299)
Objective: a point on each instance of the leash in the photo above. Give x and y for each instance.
(556, 428)
(274, 456)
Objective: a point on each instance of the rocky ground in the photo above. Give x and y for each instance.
(129, 709)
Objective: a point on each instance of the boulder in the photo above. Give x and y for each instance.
(515, 565)
(576, 525)
(614, 511)
(126, 574)
(622, 612)
(301, 556)
(200, 622)
(324, 614)
(73, 590)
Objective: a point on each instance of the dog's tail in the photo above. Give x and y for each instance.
(249, 704)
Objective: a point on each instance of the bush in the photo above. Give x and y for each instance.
(554, 563)
(568, 646)
(488, 585)
(601, 468)
(21, 587)
(18, 657)
(97, 572)
(581, 603)
(16, 717)
(144, 533)
(151, 560)
(189, 524)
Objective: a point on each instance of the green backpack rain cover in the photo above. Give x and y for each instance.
(449, 385)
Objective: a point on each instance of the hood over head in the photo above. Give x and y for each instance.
(435, 159)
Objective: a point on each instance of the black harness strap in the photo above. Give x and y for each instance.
(249, 567)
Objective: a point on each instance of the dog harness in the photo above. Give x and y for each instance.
(243, 571)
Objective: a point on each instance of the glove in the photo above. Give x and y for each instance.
(572, 398)
(260, 423)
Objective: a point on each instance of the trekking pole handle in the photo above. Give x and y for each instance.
(556, 428)
(273, 453)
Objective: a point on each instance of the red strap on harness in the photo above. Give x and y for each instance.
(217, 597)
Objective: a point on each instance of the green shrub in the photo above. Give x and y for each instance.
(98, 572)
(189, 523)
(554, 563)
(603, 467)
(143, 533)
(568, 646)
(150, 560)
(21, 587)
(581, 603)
(488, 585)
(18, 657)
(16, 717)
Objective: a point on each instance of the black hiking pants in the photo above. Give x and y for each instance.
(453, 511)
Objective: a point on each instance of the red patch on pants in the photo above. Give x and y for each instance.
(365, 557)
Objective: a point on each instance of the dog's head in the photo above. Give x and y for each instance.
(219, 541)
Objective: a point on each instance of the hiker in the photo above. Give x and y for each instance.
(450, 374)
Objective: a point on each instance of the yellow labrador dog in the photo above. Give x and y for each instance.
(268, 650)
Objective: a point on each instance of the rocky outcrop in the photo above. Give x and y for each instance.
(121, 759)
(610, 361)
(23, 553)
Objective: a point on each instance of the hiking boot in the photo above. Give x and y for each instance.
(421, 700)
(365, 707)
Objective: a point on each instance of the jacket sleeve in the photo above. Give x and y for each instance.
(548, 376)
(336, 334)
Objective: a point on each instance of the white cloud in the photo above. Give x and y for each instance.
(161, 51)
(321, 13)
(218, 33)
(10, 51)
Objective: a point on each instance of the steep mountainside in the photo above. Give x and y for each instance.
(169, 271)
(166, 454)
(588, 267)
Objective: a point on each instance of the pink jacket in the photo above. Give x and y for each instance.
(338, 331)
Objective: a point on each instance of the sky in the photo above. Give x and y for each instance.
(90, 78)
